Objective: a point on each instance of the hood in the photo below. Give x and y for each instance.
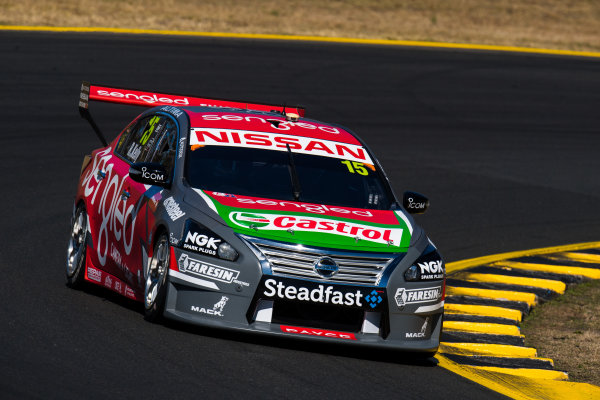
(319, 225)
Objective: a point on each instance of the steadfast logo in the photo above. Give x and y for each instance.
(321, 294)
(277, 222)
(197, 267)
(278, 142)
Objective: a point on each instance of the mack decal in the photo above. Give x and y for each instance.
(421, 334)
(217, 309)
(197, 267)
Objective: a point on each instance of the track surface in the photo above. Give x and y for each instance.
(506, 146)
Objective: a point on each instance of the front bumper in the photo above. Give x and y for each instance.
(245, 302)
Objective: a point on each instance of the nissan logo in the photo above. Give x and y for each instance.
(326, 267)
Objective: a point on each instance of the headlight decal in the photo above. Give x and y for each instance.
(199, 239)
(428, 267)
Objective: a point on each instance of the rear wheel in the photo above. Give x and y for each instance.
(76, 250)
(156, 281)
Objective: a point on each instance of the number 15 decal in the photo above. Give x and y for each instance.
(356, 167)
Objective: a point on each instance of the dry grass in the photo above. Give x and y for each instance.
(559, 24)
(568, 331)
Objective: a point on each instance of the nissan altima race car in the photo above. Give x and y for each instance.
(252, 217)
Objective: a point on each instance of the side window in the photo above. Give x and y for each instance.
(162, 147)
(149, 140)
(125, 139)
(134, 139)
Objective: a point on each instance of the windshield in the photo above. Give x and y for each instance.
(269, 174)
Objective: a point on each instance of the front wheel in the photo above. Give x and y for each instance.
(76, 250)
(156, 281)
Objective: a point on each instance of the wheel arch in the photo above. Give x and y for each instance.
(158, 230)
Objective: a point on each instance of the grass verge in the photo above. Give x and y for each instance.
(567, 330)
(553, 24)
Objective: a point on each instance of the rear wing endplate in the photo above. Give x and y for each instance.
(91, 92)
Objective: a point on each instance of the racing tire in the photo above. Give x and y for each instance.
(77, 249)
(156, 282)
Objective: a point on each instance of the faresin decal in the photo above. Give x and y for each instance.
(313, 224)
(279, 142)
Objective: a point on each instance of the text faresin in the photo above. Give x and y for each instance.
(320, 294)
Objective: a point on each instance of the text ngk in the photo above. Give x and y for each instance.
(431, 267)
(202, 240)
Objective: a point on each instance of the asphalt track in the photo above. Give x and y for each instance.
(505, 145)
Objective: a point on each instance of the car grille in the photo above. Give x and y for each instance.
(296, 261)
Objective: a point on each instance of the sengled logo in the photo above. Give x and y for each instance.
(148, 98)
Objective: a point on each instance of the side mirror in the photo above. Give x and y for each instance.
(415, 203)
(149, 174)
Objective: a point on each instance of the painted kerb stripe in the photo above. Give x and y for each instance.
(402, 43)
(513, 370)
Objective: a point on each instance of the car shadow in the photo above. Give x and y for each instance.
(337, 349)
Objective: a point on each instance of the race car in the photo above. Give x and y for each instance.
(252, 217)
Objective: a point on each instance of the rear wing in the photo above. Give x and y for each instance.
(91, 92)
